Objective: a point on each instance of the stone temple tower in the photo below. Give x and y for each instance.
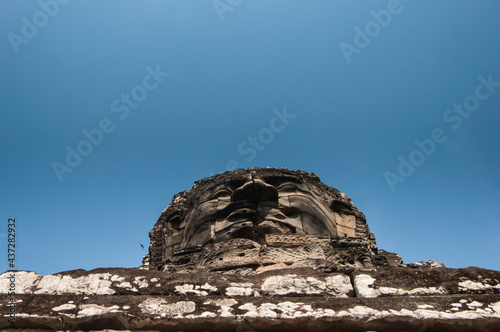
(249, 221)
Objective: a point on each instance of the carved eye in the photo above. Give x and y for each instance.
(219, 193)
(287, 187)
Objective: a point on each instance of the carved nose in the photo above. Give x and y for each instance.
(255, 190)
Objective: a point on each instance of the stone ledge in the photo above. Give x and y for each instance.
(142, 312)
(393, 281)
(299, 299)
(122, 281)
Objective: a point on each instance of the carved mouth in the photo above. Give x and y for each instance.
(242, 214)
(246, 222)
(272, 227)
(247, 229)
(243, 230)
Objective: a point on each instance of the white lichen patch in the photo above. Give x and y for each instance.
(431, 264)
(241, 284)
(225, 306)
(339, 285)
(207, 287)
(426, 291)
(141, 282)
(496, 307)
(362, 312)
(62, 307)
(195, 289)
(126, 307)
(286, 310)
(206, 314)
(38, 317)
(474, 304)
(291, 284)
(127, 285)
(23, 281)
(363, 282)
(416, 291)
(162, 308)
(153, 279)
(239, 291)
(476, 286)
(265, 310)
(306, 307)
(307, 310)
(124, 284)
(289, 308)
(93, 284)
(117, 278)
(87, 310)
(425, 306)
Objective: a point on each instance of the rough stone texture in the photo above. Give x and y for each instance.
(259, 250)
(279, 300)
(397, 281)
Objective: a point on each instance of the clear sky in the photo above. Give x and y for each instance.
(109, 108)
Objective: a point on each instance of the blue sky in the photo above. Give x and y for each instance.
(172, 91)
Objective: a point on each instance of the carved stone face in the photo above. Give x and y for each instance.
(253, 210)
(251, 206)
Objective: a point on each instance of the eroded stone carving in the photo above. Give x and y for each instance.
(245, 220)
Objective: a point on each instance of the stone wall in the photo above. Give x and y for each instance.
(392, 299)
